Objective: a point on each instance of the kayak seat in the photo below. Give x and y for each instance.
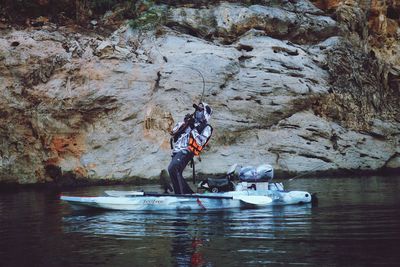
(217, 182)
(217, 185)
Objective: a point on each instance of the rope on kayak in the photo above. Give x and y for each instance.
(200, 204)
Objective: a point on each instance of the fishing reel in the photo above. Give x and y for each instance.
(188, 120)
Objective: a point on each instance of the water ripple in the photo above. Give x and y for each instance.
(357, 223)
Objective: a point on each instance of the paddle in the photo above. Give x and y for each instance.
(254, 200)
(251, 200)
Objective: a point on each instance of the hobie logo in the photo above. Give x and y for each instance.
(152, 202)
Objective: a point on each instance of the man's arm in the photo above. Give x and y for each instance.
(201, 138)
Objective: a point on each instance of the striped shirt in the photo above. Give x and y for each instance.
(183, 141)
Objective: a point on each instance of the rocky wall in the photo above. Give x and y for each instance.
(288, 84)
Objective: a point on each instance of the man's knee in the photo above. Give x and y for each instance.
(172, 168)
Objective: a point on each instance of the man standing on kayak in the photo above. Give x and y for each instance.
(188, 140)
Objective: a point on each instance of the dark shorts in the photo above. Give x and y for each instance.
(178, 164)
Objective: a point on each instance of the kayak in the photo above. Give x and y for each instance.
(141, 201)
(254, 190)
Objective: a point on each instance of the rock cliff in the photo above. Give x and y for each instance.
(299, 86)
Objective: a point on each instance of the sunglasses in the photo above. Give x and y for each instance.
(198, 107)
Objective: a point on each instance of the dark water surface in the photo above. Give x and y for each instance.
(357, 223)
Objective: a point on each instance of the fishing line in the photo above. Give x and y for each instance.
(308, 172)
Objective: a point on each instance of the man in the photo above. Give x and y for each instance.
(189, 139)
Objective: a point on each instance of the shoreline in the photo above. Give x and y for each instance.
(281, 176)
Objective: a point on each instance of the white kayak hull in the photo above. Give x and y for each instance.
(139, 201)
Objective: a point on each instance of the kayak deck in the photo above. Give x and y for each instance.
(149, 203)
(140, 201)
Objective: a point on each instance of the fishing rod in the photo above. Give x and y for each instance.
(202, 78)
(189, 119)
(165, 59)
(308, 172)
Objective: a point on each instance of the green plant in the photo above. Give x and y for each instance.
(149, 19)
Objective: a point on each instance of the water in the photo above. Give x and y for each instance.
(357, 223)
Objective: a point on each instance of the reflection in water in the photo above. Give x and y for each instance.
(189, 234)
(357, 223)
(185, 248)
(258, 223)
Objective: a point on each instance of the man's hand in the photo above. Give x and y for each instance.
(191, 122)
(187, 117)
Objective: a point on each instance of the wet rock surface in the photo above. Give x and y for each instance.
(290, 85)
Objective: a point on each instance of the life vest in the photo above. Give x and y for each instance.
(193, 145)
